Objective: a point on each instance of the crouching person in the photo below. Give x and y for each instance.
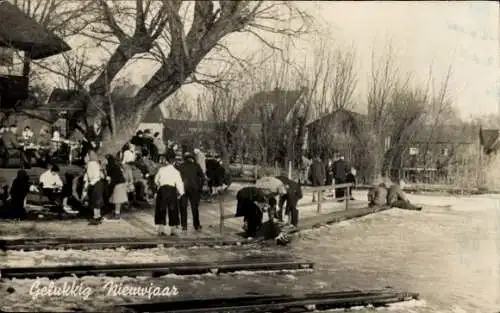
(251, 203)
(275, 229)
(170, 189)
(397, 199)
(377, 196)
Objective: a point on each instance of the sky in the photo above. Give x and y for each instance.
(463, 35)
(460, 34)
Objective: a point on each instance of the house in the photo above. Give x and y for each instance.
(335, 132)
(489, 140)
(26, 35)
(273, 121)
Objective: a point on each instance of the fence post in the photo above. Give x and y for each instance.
(347, 195)
(221, 215)
(320, 196)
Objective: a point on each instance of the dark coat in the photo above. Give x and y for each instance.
(340, 169)
(192, 175)
(10, 140)
(248, 195)
(18, 193)
(294, 188)
(317, 173)
(115, 172)
(215, 172)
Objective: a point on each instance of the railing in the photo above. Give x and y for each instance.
(319, 190)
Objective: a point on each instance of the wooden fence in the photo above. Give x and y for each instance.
(319, 202)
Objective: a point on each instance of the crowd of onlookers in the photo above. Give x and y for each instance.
(112, 182)
(334, 171)
(28, 146)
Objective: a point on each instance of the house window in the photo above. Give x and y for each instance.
(445, 152)
(413, 151)
(387, 143)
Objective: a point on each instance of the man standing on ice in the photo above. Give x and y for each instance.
(291, 198)
(170, 189)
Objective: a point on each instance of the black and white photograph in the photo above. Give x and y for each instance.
(193, 156)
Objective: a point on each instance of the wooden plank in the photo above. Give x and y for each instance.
(335, 217)
(266, 303)
(156, 269)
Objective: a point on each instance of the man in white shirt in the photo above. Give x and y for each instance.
(170, 189)
(52, 184)
(94, 186)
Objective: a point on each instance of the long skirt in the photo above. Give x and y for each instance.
(119, 194)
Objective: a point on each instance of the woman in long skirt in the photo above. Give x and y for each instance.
(117, 185)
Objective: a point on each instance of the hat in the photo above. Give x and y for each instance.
(282, 239)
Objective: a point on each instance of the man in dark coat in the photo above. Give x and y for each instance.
(292, 197)
(216, 174)
(193, 178)
(317, 174)
(250, 204)
(340, 170)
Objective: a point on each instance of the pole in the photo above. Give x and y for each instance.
(221, 215)
(320, 196)
(289, 169)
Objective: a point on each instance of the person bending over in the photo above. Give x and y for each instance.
(251, 204)
(396, 198)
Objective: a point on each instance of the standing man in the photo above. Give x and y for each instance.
(94, 185)
(317, 174)
(160, 145)
(291, 198)
(340, 170)
(193, 178)
(201, 160)
(170, 189)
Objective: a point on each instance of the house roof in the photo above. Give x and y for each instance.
(154, 116)
(277, 102)
(489, 139)
(348, 120)
(446, 134)
(21, 32)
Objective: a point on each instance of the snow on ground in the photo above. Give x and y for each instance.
(448, 253)
(124, 256)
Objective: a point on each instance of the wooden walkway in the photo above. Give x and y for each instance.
(141, 223)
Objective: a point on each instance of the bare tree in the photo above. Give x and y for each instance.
(332, 80)
(181, 52)
(64, 18)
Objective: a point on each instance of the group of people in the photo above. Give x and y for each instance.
(331, 172)
(392, 196)
(28, 146)
(278, 196)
